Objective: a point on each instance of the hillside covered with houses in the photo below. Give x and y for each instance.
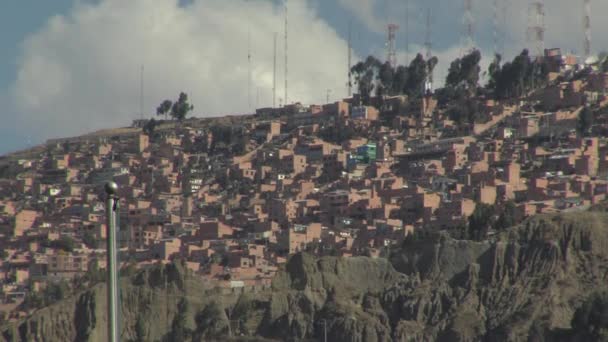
(235, 197)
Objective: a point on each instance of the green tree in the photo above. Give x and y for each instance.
(416, 76)
(55, 292)
(337, 133)
(181, 107)
(399, 80)
(64, 243)
(384, 84)
(494, 72)
(511, 79)
(365, 74)
(506, 218)
(387, 79)
(520, 76)
(386, 75)
(480, 221)
(164, 108)
(149, 127)
(463, 111)
(463, 74)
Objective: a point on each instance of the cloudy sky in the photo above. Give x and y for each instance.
(73, 66)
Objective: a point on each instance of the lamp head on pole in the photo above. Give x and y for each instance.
(111, 188)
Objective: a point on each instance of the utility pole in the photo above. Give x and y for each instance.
(469, 43)
(248, 62)
(495, 24)
(505, 11)
(536, 26)
(249, 68)
(112, 207)
(350, 48)
(324, 321)
(428, 87)
(407, 32)
(141, 93)
(327, 95)
(274, 74)
(391, 46)
(286, 99)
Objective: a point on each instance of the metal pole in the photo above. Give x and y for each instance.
(112, 279)
(325, 329)
(274, 74)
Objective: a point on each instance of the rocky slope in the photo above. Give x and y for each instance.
(524, 285)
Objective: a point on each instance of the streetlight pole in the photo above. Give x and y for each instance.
(112, 208)
(324, 321)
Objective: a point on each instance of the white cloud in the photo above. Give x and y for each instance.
(364, 11)
(563, 22)
(81, 71)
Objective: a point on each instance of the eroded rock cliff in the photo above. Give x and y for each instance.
(524, 284)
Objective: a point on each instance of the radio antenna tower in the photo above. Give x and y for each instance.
(587, 27)
(391, 45)
(429, 53)
(350, 48)
(496, 26)
(469, 43)
(285, 99)
(274, 74)
(141, 93)
(249, 68)
(536, 26)
(503, 34)
(407, 31)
